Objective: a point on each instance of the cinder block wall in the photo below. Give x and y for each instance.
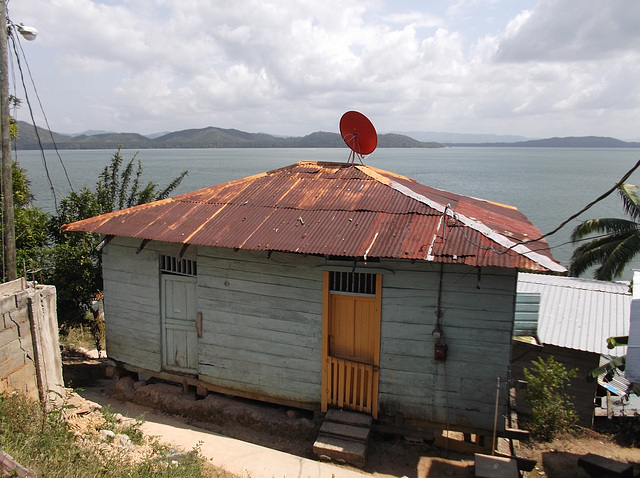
(30, 360)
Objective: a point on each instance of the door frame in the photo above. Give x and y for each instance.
(326, 392)
(192, 280)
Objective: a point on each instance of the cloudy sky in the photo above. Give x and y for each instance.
(291, 67)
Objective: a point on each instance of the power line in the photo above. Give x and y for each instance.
(33, 84)
(26, 94)
(564, 223)
(588, 206)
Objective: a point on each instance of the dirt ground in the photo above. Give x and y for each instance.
(294, 431)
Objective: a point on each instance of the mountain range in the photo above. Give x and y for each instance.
(212, 137)
(566, 142)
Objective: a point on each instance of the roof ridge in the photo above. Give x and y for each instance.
(483, 229)
(577, 283)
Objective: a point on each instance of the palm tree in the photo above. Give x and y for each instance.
(619, 245)
(613, 251)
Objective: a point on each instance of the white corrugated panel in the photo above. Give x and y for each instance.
(632, 370)
(579, 313)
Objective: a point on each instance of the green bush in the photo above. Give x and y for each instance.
(553, 410)
(43, 443)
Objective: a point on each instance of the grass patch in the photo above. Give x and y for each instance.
(132, 430)
(80, 336)
(43, 443)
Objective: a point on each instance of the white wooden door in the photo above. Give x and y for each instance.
(180, 348)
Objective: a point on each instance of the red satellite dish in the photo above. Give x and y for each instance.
(359, 134)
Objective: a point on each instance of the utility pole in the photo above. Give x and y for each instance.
(7, 184)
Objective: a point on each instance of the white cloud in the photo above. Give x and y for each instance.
(499, 66)
(569, 31)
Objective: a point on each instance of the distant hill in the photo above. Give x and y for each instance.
(449, 138)
(197, 138)
(567, 142)
(212, 137)
(90, 132)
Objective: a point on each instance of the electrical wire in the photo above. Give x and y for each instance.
(544, 236)
(46, 120)
(11, 36)
(584, 209)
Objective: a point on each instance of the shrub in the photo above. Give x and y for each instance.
(553, 410)
(43, 443)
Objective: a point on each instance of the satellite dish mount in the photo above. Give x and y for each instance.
(359, 134)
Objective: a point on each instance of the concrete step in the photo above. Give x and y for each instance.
(349, 418)
(342, 430)
(343, 437)
(340, 450)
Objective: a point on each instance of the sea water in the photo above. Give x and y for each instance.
(548, 185)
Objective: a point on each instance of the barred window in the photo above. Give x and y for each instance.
(175, 265)
(352, 282)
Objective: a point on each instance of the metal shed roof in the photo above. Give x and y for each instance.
(340, 210)
(579, 313)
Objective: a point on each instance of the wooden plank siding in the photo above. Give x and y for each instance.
(132, 301)
(582, 392)
(262, 322)
(477, 325)
(262, 328)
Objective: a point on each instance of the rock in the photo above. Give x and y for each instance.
(107, 433)
(178, 456)
(139, 384)
(124, 441)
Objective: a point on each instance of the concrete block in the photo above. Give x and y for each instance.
(488, 466)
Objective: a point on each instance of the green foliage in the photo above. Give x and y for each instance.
(553, 410)
(617, 247)
(618, 364)
(80, 336)
(77, 276)
(14, 103)
(77, 264)
(613, 342)
(70, 261)
(131, 429)
(43, 443)
(117, 189)
(31, 224)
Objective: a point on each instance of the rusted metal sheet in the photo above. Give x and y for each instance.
(336, 209)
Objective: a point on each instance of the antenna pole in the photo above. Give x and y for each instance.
(7, 185)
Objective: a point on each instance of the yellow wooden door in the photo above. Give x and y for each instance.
(352, 352)
(352, 331)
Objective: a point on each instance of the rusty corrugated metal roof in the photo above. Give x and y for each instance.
(340, 210)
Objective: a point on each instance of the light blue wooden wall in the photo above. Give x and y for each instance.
(477, 323)
(132, 301)
(262, 322)
(262, 327)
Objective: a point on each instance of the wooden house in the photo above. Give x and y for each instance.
(323, 285)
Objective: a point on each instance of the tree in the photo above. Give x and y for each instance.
(617, 247)
(553, 411)
(77, 264)
(31, 223)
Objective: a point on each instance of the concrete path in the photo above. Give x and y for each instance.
(241, 458)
